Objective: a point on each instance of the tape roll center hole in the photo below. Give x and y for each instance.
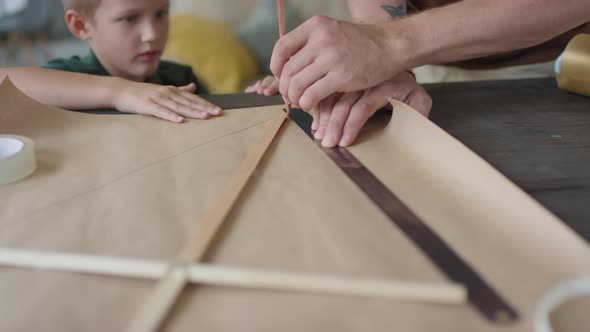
(10, 147)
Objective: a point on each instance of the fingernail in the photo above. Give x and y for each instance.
(344, 142)
(320, 133)
(314, 126)
(216, 111)
(179, 119)
(329, 141)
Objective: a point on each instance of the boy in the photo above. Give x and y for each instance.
(123, 70)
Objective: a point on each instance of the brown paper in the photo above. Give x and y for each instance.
(134, 186)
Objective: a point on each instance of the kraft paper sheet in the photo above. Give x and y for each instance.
(134, 187)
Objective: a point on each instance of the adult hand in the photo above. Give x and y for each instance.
(339, 118)
(324, 56)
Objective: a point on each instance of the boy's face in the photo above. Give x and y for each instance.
(129, 36)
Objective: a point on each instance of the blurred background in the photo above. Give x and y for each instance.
(228, 42)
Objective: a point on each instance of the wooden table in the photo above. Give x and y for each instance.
(535, 134)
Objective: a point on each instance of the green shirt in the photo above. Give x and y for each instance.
(168, 73)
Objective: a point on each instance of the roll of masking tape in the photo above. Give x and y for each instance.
(562, 293)
(572, 68)
(17, 158)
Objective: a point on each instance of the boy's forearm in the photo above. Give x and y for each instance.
(64, 89)
(376, 11)
(474, 28)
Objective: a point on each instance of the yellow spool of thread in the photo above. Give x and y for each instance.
(572, 68)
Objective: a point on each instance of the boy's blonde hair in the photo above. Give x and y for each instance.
(85, 7)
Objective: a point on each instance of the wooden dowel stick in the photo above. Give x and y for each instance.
(161, 300)
(202, 238)
(90, 264)
(328, 285)
(216, 275)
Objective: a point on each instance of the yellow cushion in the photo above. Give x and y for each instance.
(219, 59)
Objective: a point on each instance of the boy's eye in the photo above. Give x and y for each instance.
(129, 18)
(161, 13)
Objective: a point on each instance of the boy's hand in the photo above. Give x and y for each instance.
(165, 102)
(339, 118)
(268, 87)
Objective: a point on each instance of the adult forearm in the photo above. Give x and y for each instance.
(63, 89)
(376, 11)
(474, 28)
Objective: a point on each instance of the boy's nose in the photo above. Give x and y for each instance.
(149, 32)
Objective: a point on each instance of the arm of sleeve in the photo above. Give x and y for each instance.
(59, 64)
(476, 28)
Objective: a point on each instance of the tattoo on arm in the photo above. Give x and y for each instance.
(395, 11)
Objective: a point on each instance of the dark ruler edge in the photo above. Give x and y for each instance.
(225, 101)
(480, 294)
